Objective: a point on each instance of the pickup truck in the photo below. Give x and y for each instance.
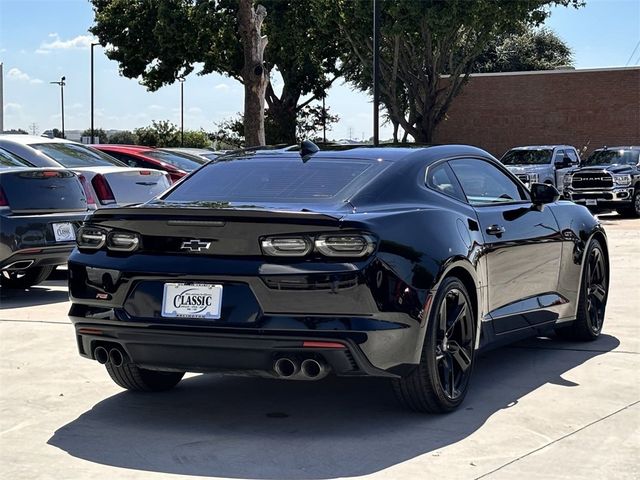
(541, 163)
(609, 179)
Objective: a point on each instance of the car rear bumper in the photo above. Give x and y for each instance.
(378, 319)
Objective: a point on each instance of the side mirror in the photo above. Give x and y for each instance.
(564, 162)
(542, 193)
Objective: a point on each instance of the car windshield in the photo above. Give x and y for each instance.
(274, 180)
(527, 157)
(182, 161)
(613, 157)
(75, 155)
(8, 159)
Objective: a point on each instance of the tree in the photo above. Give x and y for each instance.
(14, 131)
(159, 134)
(421, 42)
(196, 139)
(57, 133)
(98, 133)
(228, 134)
(123, 137)
(162, 40)
(532, 49)
(310, 121)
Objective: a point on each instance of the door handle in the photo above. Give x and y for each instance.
(495, 230)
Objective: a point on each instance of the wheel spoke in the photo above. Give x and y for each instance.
(460, 355)
(598, 292)
(461, 314)
(442, 315)
(452, 378)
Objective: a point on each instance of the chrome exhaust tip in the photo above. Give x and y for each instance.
(313, 369)
(101, 355)
(286, 367)
(115, 357)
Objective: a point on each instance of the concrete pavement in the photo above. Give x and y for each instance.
(539, 409)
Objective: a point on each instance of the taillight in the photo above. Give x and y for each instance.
(286, 246)
(102, 189)
(91, 238)
(3, 199)
(345, 245)
(145, 172)
(123, 241)
(87, 190)
(335, 245)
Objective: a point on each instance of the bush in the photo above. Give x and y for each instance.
(124, 137)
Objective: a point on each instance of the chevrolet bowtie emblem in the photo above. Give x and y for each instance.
(195, 245)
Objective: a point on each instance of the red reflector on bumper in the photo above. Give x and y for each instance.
(311, 344)
(30, 250)
(90, 331)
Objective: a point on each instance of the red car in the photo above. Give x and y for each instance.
(177, 165)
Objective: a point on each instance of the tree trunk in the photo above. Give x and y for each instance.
(396, 125)
(254, 75)
(282, 116)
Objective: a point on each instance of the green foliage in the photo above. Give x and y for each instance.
(159, 134)
(57, 133)
(196, 139)
(420, 42)
(533, 49)
(310, 121)
(161, 40)
(98, 133)
(124, 137)
(228, 134)
(15, 131)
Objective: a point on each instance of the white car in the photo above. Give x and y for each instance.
(107, 180)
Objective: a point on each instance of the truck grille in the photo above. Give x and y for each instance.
(524, 178)
(586, 180)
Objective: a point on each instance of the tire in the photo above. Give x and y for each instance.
(429, 387)
(635, 209)
(25, 278)
(592, 302)
(138, 379)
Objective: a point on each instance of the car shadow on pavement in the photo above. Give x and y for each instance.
(222, 426)
(41, 294)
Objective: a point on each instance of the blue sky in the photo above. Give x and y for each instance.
(41, 40)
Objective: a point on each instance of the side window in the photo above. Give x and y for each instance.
(483, 183)
(571, 153)
(558, 156)
(123, 157)
(441, 179)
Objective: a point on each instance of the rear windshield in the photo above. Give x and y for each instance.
(273, 180)
(183, 162)
(613, 157)
(8, 159)
(527, 157)
(75, 155)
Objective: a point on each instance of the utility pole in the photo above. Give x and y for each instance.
(1, 98)
(181, 80)
(62, 84)
(33, 128)
(376, 71)
(93, 140)
(324, 119)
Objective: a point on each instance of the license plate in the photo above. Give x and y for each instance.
(192, 300)
(63, 232)
(592, 201)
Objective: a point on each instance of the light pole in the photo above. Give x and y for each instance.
(376, 70)
(92, 128)
(62, 84)
(181, 80)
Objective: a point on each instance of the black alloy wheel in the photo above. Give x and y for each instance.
(440, 382)
(636, 202)
(593, 297)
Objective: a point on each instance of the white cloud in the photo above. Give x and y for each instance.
(10, 108)
(195, 110)
(40, 51)
(155, 108)
(76, 43)
(222, 87)
(19, 75)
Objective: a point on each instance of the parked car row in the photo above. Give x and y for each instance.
(609, 179)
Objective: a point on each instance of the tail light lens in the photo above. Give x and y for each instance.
(123, 241)
(87, 190)
(3, 199)
(338, 245)
(103, 190)
(91, 238)
(345, 245)
(286, 246)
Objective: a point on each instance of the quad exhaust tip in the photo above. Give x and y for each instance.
(309, 369)
(312, 368)
(101, 355)
(286, 367)
(115, 357)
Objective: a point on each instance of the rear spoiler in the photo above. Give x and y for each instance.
(209, 213)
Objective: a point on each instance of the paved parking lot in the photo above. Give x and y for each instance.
(540, 409)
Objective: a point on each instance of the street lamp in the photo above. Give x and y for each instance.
(92, 128)
(376, 70)
(181, 80)
(62, 84)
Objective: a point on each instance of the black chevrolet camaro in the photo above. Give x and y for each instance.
(390, 262)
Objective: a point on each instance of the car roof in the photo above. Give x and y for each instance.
(31, 139)
(540, 147)
(390, 153)
(626, 147)
(129, 148)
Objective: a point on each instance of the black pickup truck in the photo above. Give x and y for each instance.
(609, 179)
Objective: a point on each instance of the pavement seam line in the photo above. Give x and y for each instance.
(34, 321)
(559, 349)
(484, 475)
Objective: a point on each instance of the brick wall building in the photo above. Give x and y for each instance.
(497, 111)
